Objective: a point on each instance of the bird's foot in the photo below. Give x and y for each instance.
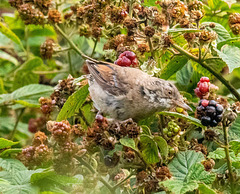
(99, 117)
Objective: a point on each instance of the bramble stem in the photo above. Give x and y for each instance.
(130, 8)
(92, 170)
(210, 69)
(72, 45)
(70, 63)
(121, 182)
(150, 46)
(16, 124)
(94, 48)
(229, 163)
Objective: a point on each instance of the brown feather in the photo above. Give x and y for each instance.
(105, 76)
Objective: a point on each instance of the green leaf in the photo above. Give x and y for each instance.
(100, 44)
(20, 182)
(7, 153)
(235, 146)
(187, 172)
(183, 76)
(24, 75)
(204, 189)
(2, 89)
(7, 32)
(7, 57)
(234, 132)
(149, 3)
(217, 154)
(222, 33)
(146, 130)
(230, 41)
(5, 143)
(220, 154)
(200, 70)
(173, 66)
(218, 5)
(182, 163)
(27, 104)
(198, 173)
(179, 187)
(149, 149)
(73, 103)
(217, 64)
(19, 189)
(30, 93)
(41, 175)
(128, 142)
(88, 113)
(11, 165)
(37, 30)
(162, 145)
(230, 55)
(188, 118)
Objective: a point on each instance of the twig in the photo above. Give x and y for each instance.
(63, 50)
(70, 63)
(93, 171)
(73, 46)
(121, 182)
(94, 48)
(48, 72)
(207, 67)
(229, 163)
(16, 124)
(130, 8)
(150, 46)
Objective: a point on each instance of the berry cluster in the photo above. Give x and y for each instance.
(127, 59)
(62, 91)
(61, 131)
(125, 128)
(198, 147)
(36, 12)
(129, 154)
(37, 154)
(209, 112)
(65, 149)
(205, 89)
(147, 182)
(234, 22)
(46, 49)
(46, 105)
(163, 173)
(172, 129)
(111, 161)
(208, 164)
(37, 124)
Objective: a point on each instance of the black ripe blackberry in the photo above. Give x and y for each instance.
(209, 112)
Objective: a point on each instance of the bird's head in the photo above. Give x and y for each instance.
(175, 97)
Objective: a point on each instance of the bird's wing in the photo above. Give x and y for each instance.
(106, 76)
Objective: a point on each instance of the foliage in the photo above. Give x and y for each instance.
(54, 141)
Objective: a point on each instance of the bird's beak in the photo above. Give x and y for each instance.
(183, 105)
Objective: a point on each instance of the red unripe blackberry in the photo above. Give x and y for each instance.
(198, 93)
(204, 79)
(204, 103)
(126, 59)
(203, 87)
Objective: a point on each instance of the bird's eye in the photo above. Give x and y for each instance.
(170, 92)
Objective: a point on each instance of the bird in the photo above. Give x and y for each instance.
(126, 92)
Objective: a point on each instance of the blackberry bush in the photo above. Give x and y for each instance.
(55, 139)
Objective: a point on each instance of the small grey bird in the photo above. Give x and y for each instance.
(125, 92)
